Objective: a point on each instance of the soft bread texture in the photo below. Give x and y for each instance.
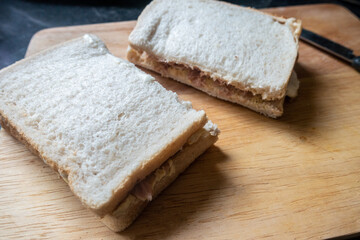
(96, 119)
(247, 49)
(128, 210)
(194, 78)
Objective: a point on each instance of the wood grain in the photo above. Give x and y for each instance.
(295, 177)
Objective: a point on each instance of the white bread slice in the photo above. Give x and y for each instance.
(96, 119)
(128, 210)
(240, 47)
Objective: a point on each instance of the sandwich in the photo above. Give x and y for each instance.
(233, 53)
(113, 133)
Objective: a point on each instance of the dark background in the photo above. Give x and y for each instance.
(20, 19)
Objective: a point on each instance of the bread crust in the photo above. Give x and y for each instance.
(295, 27)
(215, 87)
(11, 128)
(171, 148)
(131, 207)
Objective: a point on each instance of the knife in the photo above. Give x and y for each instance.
(331, 47)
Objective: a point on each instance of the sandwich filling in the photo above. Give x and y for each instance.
(144, 190)
(215, 87)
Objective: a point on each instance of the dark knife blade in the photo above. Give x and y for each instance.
(331, 47)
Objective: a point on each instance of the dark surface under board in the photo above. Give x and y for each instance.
(21, 19)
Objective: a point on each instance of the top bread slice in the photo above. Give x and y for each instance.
(248, 49)
(99, 121)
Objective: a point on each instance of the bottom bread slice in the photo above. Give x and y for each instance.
(200, 80)
(130, 208)
(127, 210)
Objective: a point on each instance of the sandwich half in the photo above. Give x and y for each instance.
(237, 54)
(113, 133)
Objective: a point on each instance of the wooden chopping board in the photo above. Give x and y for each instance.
(295, 177)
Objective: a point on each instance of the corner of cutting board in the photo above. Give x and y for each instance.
(37, 35)
(52, 36)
